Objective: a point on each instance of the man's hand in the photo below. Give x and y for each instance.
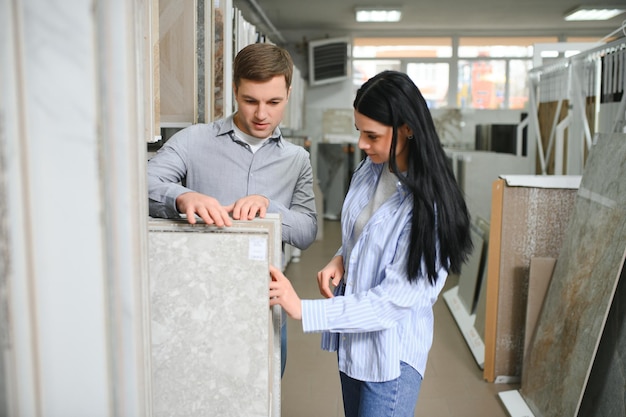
(208, 208)
(247, 208)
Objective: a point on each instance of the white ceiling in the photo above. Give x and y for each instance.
(299, 21)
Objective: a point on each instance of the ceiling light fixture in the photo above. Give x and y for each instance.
(378, 14)
(594, 13)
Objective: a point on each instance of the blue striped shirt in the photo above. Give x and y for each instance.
(381, 319)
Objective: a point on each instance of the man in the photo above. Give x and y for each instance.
(240, 165)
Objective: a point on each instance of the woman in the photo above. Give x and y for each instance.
(405, 226)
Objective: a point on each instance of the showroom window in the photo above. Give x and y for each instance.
(425, 60)
(464, 72)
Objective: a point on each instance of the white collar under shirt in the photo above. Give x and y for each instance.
(254, 143)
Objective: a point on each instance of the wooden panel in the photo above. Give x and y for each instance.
(493, 268)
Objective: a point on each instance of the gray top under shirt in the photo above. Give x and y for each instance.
(209, 159)
(387, 185)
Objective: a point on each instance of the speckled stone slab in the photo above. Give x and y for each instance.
(581, 292)
(213, 339)
(534, 220)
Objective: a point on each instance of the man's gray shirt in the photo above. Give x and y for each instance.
(207, 158)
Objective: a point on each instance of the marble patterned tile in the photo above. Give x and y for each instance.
(605, 395)
(582, 288)
(211, 339)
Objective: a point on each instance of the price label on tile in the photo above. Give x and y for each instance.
(257, 249)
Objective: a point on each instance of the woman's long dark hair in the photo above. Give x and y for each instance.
(440, 215)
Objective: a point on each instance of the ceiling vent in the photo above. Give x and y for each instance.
(328, 60)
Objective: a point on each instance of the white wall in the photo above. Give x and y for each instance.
(318, 99)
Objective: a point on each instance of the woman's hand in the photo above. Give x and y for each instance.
(331, 274)
(283, 294)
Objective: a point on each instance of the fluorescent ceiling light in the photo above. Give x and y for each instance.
(594, 13)
(378, 15)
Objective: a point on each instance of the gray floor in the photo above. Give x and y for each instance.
(453, 385)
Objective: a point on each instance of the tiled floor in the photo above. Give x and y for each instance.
(453, 385)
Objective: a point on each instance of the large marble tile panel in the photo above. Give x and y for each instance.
(212, 331)
(582, 288)
(605, 395)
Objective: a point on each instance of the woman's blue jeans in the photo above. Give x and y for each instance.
(396, 398)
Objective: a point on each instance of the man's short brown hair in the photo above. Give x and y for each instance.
(262, 62)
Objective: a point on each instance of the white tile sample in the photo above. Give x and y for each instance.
(212, 337)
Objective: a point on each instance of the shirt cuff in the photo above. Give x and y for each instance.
(314, 316)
